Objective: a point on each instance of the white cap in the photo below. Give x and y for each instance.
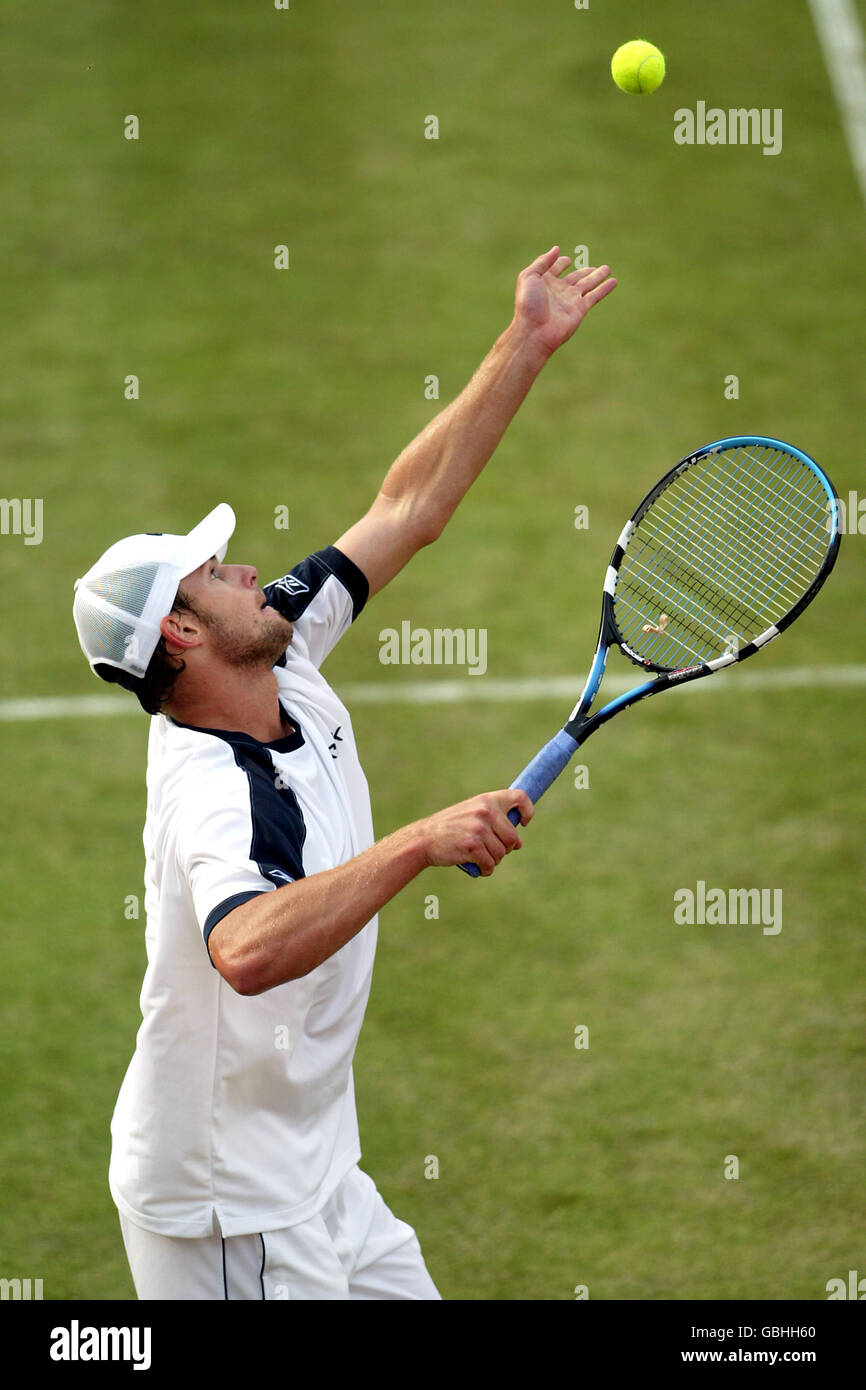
(121, 600)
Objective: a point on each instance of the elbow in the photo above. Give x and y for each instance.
(431, 529)
(251, 979)
(242, 974)
(422, 519)
(245, 979)
(251, 972)
(250, 956)
(243, 982)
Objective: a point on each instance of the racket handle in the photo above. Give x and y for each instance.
(536, 777)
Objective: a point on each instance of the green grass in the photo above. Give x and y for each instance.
(558, 1167)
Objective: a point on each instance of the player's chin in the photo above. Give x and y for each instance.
(283, 628)
(277, 636)
(273, 620)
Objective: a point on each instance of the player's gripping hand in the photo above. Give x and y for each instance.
(477, 831)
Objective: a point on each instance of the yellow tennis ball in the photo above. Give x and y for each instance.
(638, 67)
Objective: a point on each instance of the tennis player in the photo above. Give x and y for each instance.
(235, 1145)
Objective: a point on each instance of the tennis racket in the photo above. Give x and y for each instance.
(721, 556)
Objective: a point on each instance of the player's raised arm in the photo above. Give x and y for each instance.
(427, 481)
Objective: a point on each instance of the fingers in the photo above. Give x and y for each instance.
(489, 854)
(494, 849)
(591, 275)
(555, 264)
(595, 295)
(520, 801)
(553, 261)
(501, 837)
(493, 835)
(542, 264)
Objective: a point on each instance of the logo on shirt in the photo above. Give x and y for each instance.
(337, 737)
(291, 585)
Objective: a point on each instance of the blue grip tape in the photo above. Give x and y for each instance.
(536, 777)
(546, 766)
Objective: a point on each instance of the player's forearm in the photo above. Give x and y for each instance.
(281, 936)
(436, 470)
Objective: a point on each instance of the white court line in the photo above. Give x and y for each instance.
(841, 37)
(457, 692)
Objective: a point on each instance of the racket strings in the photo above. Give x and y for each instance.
(807, 550)
(721, 555)
(722, 551)
(715, 615)
(795, 532)
(724, 495)
(741, 551)
(738, 556)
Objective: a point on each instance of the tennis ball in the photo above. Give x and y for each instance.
(638, 67)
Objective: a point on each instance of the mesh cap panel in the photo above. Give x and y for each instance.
(128, 589)
(108, 636)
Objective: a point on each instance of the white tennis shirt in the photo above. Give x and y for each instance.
(237, 1109)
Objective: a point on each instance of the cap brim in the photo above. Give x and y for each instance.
(210, 537)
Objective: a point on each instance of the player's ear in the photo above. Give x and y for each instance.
(181, 630)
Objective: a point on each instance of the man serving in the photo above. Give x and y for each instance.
(235, 1146)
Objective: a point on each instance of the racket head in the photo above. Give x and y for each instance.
(727, 549)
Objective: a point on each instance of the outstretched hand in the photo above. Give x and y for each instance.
(551, 306)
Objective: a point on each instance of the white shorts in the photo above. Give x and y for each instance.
(354, 1248)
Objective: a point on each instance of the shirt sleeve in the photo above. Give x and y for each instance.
(237, 840)
(322, 596)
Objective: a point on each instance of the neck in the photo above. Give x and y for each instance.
(245, 701)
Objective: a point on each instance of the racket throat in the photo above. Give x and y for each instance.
(576, 729)
(579, 714)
